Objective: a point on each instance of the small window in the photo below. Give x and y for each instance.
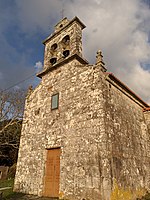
(55, 101)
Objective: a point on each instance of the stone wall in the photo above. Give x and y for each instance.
(77, 127)
(147, 119)
(127, 139)
(99, 129)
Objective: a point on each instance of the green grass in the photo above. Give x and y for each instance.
(7, 183)
(9, 194)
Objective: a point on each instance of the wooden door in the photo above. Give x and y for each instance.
(52, 173)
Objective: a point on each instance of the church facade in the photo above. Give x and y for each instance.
(83, 128)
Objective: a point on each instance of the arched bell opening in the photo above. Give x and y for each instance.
(66, 53)
(54, 47)
(53, 61)
(66, 40)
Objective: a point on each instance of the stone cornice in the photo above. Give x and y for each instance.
(62, 29)
(67, 60)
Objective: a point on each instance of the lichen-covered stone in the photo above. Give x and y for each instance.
(100, 127)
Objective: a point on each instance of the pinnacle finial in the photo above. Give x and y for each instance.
(99, 57)
(30, 90)
(99, 60)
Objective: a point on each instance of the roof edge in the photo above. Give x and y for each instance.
(68, 24)
(75, 56)
(122, 85)
(146, 109)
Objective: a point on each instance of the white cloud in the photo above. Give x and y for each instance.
(38, 66)
(119, 28)
(139, 79)
(36, 14)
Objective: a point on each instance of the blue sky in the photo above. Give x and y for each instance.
(120, 28)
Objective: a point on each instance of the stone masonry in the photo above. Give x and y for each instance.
(101, 126)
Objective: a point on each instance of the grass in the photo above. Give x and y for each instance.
(7, 183)
(9, 194)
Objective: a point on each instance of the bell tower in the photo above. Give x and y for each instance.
(63, 45)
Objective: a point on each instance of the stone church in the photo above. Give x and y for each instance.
(83, 128)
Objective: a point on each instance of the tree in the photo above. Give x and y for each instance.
(11, 113)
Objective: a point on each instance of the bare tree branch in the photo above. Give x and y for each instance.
(11, 113)
(9, 144)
